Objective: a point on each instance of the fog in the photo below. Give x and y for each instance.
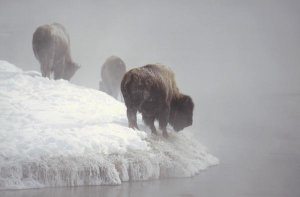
(239, 60)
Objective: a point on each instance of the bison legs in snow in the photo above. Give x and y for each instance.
(149, 120)
(46, 60)
(163, 119)
(131, 115)
(45, 69)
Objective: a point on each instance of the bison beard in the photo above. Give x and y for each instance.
(152, 90)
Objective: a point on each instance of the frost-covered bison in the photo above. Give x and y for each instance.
(152, 90)
(112, 73)
(51, 47)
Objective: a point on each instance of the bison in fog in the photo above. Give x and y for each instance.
(112, 73)
(152, 90)
(51, 47)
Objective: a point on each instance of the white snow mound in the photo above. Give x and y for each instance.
(54, 133)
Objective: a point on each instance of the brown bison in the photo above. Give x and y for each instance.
(152, 90)
(51, 47)
(112, 73)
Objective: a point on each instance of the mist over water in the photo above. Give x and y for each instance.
(239, 60)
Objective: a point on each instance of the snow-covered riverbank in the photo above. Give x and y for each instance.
(54, 133)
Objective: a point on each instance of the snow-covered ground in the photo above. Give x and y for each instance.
(54, 133)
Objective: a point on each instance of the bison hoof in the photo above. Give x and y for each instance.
(134, 127)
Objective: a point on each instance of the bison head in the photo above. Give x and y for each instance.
(181, 113)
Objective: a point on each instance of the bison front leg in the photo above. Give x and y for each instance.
(45, 70)
(46, 67)
(46, 62)
(149, 120)
(163, 120)
(131, 116)
(59, 71)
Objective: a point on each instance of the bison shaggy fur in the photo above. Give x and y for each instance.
(51, 47)
(112, 73)
(152, 90)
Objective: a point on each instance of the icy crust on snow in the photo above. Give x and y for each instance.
(54, 133)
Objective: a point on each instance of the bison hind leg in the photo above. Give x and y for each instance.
(149, 120)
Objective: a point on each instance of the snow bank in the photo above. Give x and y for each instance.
(54, 133)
